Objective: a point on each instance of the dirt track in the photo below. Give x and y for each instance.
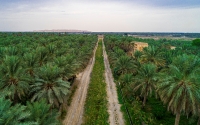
(115, 115)
(75, 111)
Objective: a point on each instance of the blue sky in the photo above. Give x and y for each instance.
(101, 15)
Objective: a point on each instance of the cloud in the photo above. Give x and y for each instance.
(153, 3)
(101, 15)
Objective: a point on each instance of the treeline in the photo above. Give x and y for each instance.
(36, 73)
(159, 85)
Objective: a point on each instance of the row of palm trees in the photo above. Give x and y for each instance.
(172, 76)
(41, 68)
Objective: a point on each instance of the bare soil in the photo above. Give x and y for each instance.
(75, 110)
(115, 115)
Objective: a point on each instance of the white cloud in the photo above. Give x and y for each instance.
(99, 16)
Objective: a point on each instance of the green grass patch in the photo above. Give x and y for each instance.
(96, 101)
(123, 109)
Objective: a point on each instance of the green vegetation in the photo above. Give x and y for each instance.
(71, 95)
(196, 42)
(159, 85)
(36, 113)
(40, 66)
(96, 102)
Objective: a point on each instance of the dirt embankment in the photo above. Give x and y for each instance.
(115, 115)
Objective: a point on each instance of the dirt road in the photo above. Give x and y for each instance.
(75, 111)
(115, 115)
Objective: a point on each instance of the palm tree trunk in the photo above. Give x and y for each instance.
(177, 118)
(144, 100)
(60, 107)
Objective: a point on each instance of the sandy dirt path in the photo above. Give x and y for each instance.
(115, 115)
(75, 111)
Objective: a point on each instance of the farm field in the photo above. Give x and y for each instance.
(159, 84)
(75, 79)
(100, 62)
(36, 73)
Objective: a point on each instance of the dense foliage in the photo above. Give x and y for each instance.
(196, 42)
(160, 85)
(96, 101)
(35, 66)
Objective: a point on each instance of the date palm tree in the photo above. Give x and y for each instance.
(180, 86)
(41, 113)
(50, 86)
(126, 79)
(13, 80)
(152, 55)
(145, 81)
(30, 61)
(124, 65)
(137, 55)
(11, 51)
(13, 115)
(42, 53)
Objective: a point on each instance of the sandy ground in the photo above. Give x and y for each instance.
(115, 115)
(75, 110)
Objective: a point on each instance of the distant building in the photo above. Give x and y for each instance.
(138, 46)
(172, 47)
(100, 37)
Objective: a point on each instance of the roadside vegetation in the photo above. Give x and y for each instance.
(159, 85)
(96, 101)
(36, 74)
(196, 42)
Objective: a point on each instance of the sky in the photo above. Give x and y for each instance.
(101, 15)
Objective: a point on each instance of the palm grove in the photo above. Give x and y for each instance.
(160, 85)
(36, 73)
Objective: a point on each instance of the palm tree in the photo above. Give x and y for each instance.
(13, 115)
(11, 51)
(42, 55)
(51, 51)
(41, 114)
(50, 86)
(2, 52)
(137, 55)
(180, 86)
(124, 65)
(13, 81)
(68, 64)
(153, 55)
(71, 64)
(126, 79)
(30, 60)
(118, 52)
(145, 81)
